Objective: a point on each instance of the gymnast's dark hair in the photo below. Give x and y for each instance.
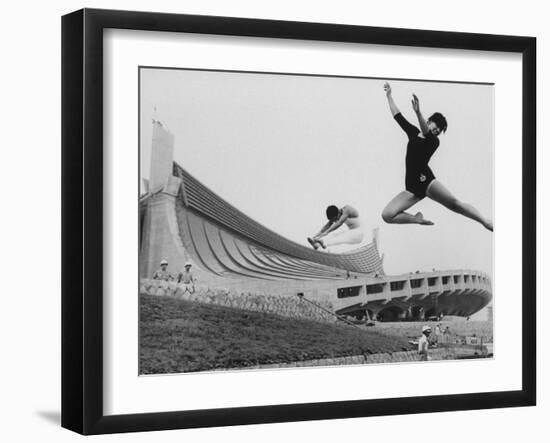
(332, 212)
(439, 120)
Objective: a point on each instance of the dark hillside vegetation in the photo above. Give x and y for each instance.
(182, 336)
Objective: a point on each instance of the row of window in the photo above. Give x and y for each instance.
(416, 283)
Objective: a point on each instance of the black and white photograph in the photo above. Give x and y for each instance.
(301, 220)
(275, 221)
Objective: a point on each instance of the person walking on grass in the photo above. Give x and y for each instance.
(419, 179)
(423, 343)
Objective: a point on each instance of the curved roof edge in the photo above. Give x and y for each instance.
(202, 200)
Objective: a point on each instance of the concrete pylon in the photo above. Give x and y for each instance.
(160, 239)
(162, 157)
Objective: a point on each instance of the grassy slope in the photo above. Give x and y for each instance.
(181, 336)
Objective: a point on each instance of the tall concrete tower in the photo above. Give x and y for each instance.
(160, 239)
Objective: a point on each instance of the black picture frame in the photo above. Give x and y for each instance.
(82, 218)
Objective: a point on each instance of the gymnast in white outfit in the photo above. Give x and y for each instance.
(336, 218)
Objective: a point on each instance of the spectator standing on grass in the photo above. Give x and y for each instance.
(437, 335)
(423, 343)
(186, 277)
(162, 273)
(432, 339)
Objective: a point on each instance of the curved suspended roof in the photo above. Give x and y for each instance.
(224, 235)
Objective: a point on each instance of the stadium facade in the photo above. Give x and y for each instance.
(181, 221)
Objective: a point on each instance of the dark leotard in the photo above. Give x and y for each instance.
(419, 151)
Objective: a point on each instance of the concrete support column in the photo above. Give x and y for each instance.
(435, 302)
(408, 288)
(157, 242)
(387, 290)
(162, 157)
(424, 285)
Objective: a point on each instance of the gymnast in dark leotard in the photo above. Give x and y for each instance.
(419, 178)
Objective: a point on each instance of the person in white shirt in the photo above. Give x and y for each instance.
(162, 273)
(423, 343)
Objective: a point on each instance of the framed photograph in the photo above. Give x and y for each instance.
(268, 221)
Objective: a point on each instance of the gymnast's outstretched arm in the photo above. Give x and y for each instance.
(334, 226)
(421, 120)
(323, 230)
(393, 107)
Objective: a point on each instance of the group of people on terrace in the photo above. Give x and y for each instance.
(185, 277)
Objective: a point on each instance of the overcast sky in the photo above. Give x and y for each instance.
(281, 148)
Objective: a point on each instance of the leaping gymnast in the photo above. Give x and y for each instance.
(337, 217)
(419, 179)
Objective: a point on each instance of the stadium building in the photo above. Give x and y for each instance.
(181, 221)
